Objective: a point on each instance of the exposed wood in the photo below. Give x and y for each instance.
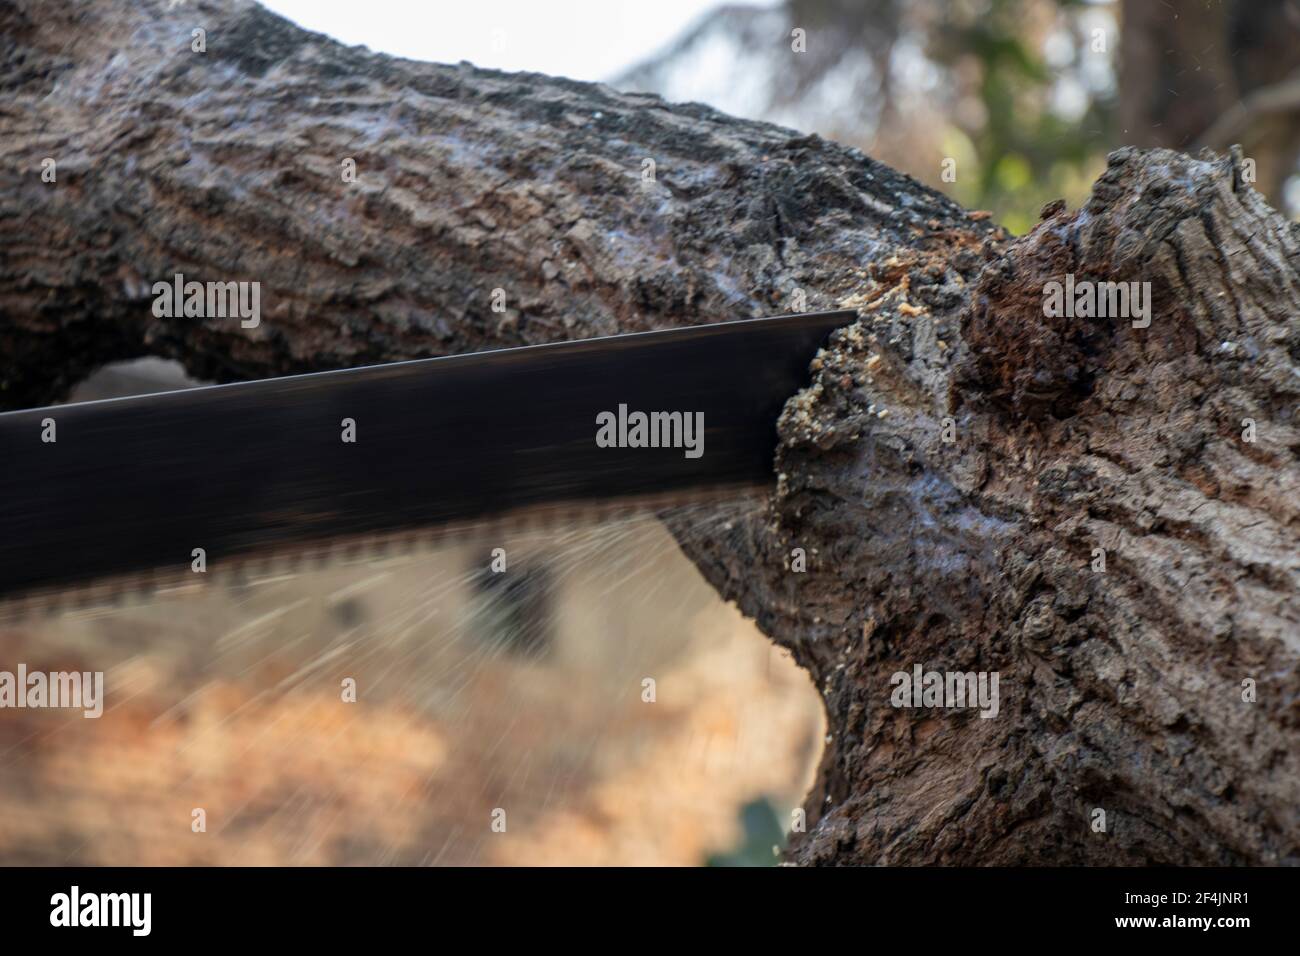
(1120, 690)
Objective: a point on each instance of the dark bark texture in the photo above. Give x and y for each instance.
(227, 165)
(1120, 690)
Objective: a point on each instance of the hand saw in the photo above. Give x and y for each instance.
(96, 491)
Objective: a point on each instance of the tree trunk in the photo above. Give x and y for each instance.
(1222, 73)
(1120, 690)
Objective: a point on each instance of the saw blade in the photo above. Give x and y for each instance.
(358, 460)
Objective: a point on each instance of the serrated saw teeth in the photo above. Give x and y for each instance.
(254, 570)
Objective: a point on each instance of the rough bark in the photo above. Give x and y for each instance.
(1120, 690)
(228, 166)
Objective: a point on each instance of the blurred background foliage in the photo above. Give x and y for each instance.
(1040, 120)
(1018, 101)
(762, 837)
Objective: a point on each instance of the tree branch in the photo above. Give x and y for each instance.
(1121, 690)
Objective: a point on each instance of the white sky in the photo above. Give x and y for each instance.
(581, 39)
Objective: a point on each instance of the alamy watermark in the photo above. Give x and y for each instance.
(208, 300)
(626, 429)
(75, 908)
(952, 689)
(1086, 299)
(78, 690)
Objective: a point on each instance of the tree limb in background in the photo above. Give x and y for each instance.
(1186, 76)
